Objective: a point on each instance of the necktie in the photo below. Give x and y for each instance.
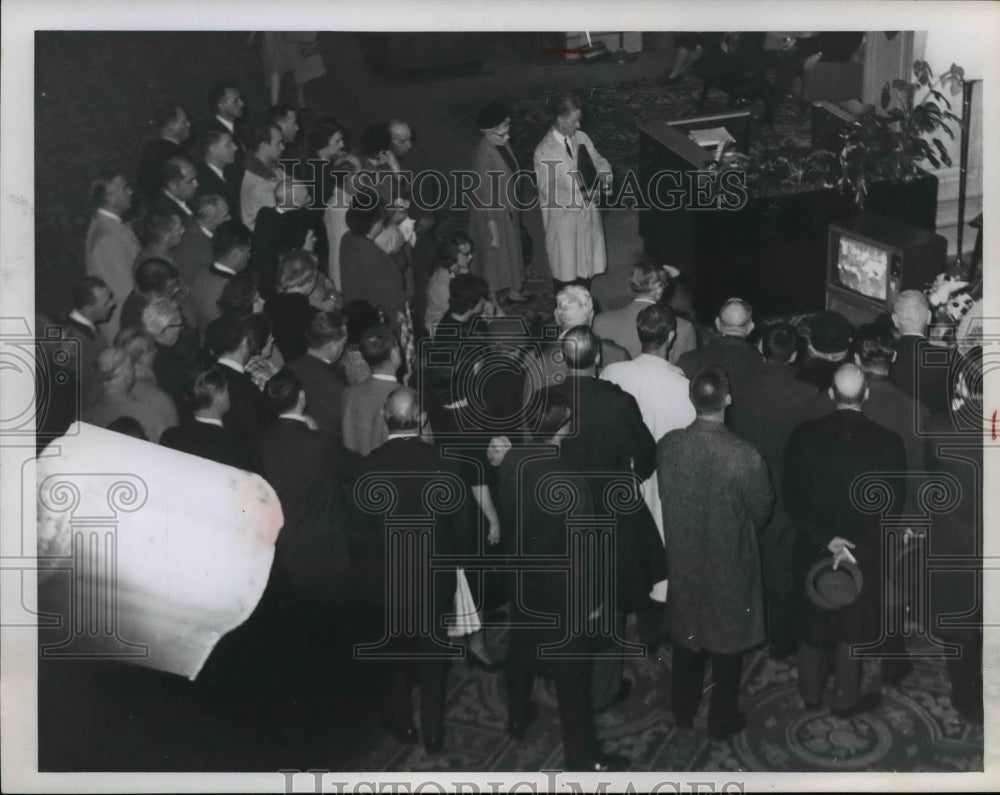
(569, 149)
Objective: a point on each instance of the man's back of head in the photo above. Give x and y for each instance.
(779, 343)
(582, 348)
(735, 318)
(709, 392)
(649, 279)
(656, 326)
(282, 392)
(874, 349)
(206, 392)
(402, 410)
(850, 387)
(379, 348)
(224, 337)
(911, 312)
(574, 307)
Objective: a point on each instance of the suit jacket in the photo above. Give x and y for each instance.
(309, 470)
(411, 470)
(83, 351)
(212, 442)
(234, 171)
(205, 294)
(364, 425)
(210, 183)
(543, 529)
(824, 459)
(162, 203)
(155, 154)
(132, 309)
(367, 273)
(194, 253)
(741, 361)
(110, 250)
(765, 415)
(275, 234)
(324, 385)
(618, 325)
(610, 444)
(716, 497)
(248, 412)
(927, 384)
(892, 408)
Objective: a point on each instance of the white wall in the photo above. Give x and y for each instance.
(940, 48)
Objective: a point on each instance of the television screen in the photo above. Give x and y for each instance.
(862, 267)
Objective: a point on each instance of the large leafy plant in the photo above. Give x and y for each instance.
(892, 143)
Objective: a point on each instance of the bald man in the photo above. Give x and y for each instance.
(825, 457)
(412, 469)
(911, 315)
(730, 350)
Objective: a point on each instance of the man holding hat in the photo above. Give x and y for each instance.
(823, 495)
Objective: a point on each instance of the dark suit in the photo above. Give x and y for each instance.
(741, 361)
(171, 367)
(132, 309)
(609, 442)
(212, 442)
(248, 412)
(412, 469)
(194, 253)
(324, 385)
(526, 476)
(308, 470)
(618, 325)
(927, 383)
(275, 234)
(769, 409)
(155, 154)
(210, 183)
(234, 171)
(367, 273)
(825, 456)
(954, 447)
(205, 294)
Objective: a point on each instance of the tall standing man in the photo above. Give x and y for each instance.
(570, 173)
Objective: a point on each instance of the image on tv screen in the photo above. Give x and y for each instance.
(862, 267)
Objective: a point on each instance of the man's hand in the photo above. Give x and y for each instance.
(494, 536)
(310, 241)
(841, 549)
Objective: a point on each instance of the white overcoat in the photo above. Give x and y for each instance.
(574, 235)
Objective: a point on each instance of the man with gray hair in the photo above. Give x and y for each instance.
(162, 320)
(911, 315)
(730, 350)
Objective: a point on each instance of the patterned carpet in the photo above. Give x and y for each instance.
(914, 729)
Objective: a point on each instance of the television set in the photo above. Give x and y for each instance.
(872, 259)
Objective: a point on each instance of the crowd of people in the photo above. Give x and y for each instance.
(614, 463)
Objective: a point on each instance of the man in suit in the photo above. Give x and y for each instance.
(215, 177)
(911, 314)
(227, 107)
(411, 468)
(179, 183)
(288, 225)
(173, 130)
(226, 339)
(610, 443)
(364, 424)
(93, 303)
(299, 458)
(661, 391)
(263, 172)
(767, 412)
(231, 249)
(162, 320)
(286, 119)
(720, 497)
(730, 350)
(526, 474)
(323, 382)
(648, 283)
(154, 279)
(825, 457)
(111, 245)
(954, 447)
(194, 253)
(206, 396)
